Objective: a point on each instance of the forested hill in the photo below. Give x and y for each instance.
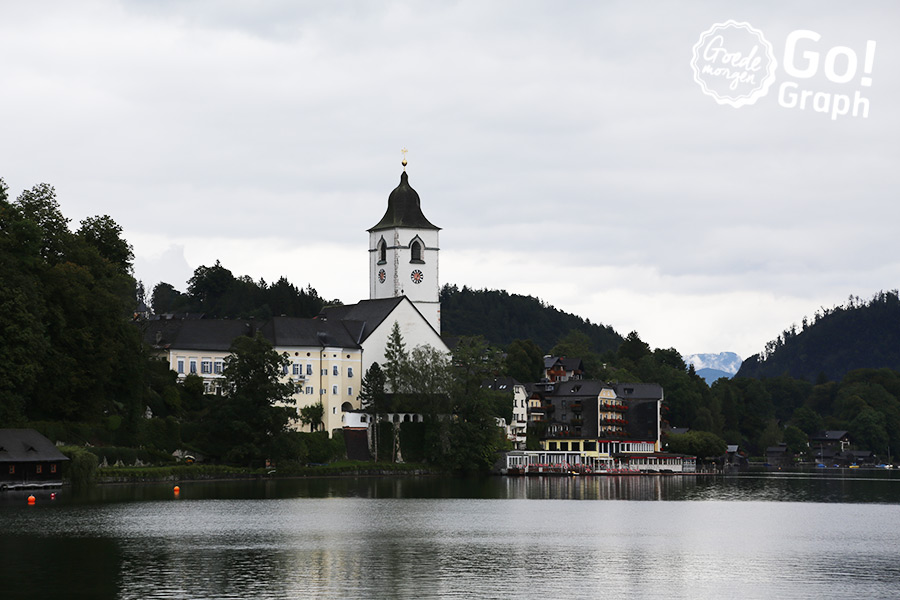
(854, 336)
(502, 317)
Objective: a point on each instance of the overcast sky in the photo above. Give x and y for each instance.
(564, 148)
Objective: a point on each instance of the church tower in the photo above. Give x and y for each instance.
(403, 254)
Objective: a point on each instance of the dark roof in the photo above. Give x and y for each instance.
(829, 436)
(635, 391)
(290, 331)
(580, 387)
(27, 445)
(569, 364)
(219, 334)
(213, 334)
(404, 209)
(500, 384)
(369, 313)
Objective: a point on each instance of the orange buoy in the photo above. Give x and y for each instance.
(31, 499)
(177, 490)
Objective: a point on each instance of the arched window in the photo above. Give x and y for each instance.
(415, 252)
(382, 252)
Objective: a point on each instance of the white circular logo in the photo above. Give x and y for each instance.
(734, 63)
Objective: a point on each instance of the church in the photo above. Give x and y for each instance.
(330, 353)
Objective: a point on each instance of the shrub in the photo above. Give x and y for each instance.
(81, 469)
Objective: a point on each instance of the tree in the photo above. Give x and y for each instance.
(373, 398)
(701, 444)
(524, 361)
(105, 235)
(39, 205)
(396, 361)
(868, 431)
(576, 344)
(633, 348)
(474, 436)
(249, 418)
(797, 441)
(166, 299)
(312, 415)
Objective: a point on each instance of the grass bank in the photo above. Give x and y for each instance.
(211, 472)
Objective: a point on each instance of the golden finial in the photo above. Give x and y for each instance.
(403, 162)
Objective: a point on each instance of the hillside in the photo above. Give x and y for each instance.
(857, 335)
(502, 317)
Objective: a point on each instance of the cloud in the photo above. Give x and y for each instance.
(565, 150)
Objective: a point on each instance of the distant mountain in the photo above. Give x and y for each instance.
(857, 335)
(502, 317)
(726, 362)
(710, 375)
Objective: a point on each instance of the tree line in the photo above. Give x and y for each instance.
(217, 294)
(860, 334)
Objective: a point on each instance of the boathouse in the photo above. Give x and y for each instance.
(28, 459)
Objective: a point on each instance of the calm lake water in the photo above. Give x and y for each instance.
(817, 536)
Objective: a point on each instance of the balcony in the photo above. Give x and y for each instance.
(612, 406)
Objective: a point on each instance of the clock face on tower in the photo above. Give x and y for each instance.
(381, 276)
(416, 276)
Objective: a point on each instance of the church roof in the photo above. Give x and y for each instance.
(369, 313)
(404, 209)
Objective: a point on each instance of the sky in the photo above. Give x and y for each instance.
(566, 149)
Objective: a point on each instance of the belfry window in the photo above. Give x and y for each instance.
(382, 252)
(415, 252)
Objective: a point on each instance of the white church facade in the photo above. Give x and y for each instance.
(329, 354)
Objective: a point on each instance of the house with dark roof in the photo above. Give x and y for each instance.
(560, 368)
(28, 459)
(609, 424)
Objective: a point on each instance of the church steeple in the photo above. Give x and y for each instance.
(403, 253)
(404, 208)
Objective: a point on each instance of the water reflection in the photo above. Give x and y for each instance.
(807, 536)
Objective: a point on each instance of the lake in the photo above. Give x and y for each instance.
(752, 536)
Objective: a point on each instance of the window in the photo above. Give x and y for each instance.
(552, 445)
(309, 369)
(296, 369)
(382, 252)
(193, 365)
(590, 446)
(564, 446)
(284, 369)
(415, 252)
(206, 366)
(349, 371)
(38, 468)
(324, 372)
(181, 366)
(53, 468)
(349, 391)
(334, 389)
(218, 366)
(309, 389)
(335, 371)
